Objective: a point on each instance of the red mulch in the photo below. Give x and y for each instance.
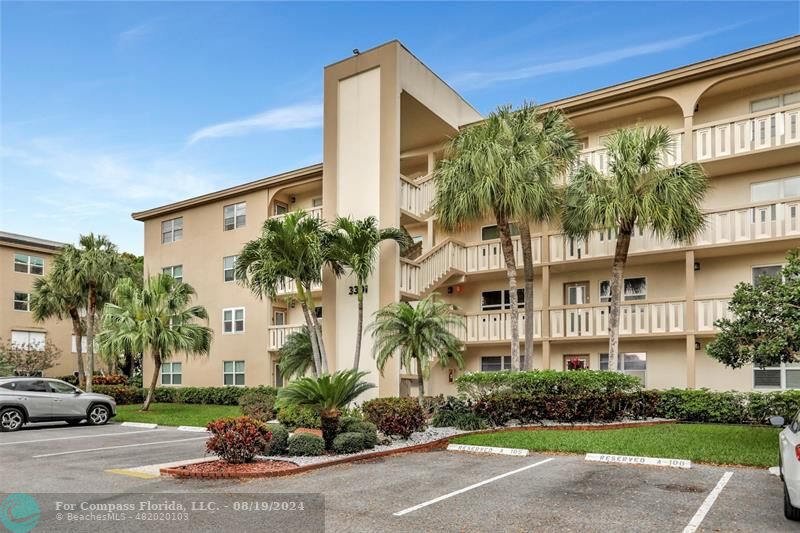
(256, 467)
(317, 432)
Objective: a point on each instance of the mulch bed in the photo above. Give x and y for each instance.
(221, 469)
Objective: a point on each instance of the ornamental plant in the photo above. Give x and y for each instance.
(238, 440)
(395, 416)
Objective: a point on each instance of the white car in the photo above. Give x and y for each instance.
(789, 464)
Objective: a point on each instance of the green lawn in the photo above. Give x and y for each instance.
(175, 414)
(706, 443)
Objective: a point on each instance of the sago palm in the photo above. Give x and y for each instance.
(638, 191)
(420, 334)
(353, 245)
(328, 395)
(296, 355)
(289, 248)
(55, 298)
(157, 319)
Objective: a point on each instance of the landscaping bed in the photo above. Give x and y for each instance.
(222, 469)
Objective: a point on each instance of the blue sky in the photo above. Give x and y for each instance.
(109, 108)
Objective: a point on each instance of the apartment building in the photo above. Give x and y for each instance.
(22, 260)
(386, 119)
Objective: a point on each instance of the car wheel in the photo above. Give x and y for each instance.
(11, 419)
(789, 511)
(98, 415)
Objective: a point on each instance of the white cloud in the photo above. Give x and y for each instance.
(300, 116)
(486, 78)
(137, 32)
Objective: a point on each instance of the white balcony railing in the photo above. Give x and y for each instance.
(315, 212)
(634, 319)
(279, 334)
(709, 310)
(747, 133)
(416, 196)
(287, 287)
(488, 326)
(599, 159)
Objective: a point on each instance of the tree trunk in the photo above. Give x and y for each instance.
(527, 260)
(90, 335)
(312, 335)
(153, 381)
(77, 330)
(127, 367)
(511, 272)
(359, 326)
(323, 355)
(330, 425)
(420, 384)
(617, 270)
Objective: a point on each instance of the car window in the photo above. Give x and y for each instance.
(32, 386)
(11, 385)
(61, 388)
(795, 425)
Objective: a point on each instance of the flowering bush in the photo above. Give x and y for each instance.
(395, 416)
(111, 379)
(238, 440)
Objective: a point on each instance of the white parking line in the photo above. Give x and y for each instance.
(698, 517)
(138, 445)
(78, 437)
(465, 489)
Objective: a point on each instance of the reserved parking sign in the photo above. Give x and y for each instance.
(636, 460)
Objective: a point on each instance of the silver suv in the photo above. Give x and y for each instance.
(24, 400)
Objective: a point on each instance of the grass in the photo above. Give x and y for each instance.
(704, 443)
(175, 414)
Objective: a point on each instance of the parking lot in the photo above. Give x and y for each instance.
(434, 491)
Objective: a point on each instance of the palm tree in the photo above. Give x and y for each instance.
(94, 266)
(55, 298)
(290, 248)
(156, 319)
(546, 146)
(296, 355)
(354, 244)
(638, 191)
(421, 334)
(328, 395)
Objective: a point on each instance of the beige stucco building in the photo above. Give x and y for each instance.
(386, 117)
(22, 260)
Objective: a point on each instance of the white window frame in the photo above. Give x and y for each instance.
(607, 299)
(621, 361)
(170, 223)
(28, 340)
(283, 313)
(771, 265)
(505, 303)
(505, 362)
(513, 229)
(234, 373)
(172, 373)
(316, 202)
(171, 271)
(275, 204)
(781, 182)
(28, 263)
(232, 269)
(26, 301)
(782, 369)
(239, 210)
(233, 320)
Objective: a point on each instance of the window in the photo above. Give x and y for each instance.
(233, 320)
(233, 373)
(172, 230)
(576, 293)
(496, 300)
(61, 388)
(631, 363)
(279, 318)
(493, 232)
(33, 386)
(635, 289)
(234, 216)
(499, 362)
(75, 344)
(765, 191)
(171, 373)
(316, 202)
(791, 98)
(278, 376)
(176, 271)
(769, 271)
(576, 362)
(32, 339)
(229, 268)
(22, 301)
(28, 264)
(279, 208)
(786, 376)
(765, 103)
(318, 311)
(416, 239)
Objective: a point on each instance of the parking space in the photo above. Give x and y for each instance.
(434, 491)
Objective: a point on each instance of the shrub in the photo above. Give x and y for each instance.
(258, 404)
(122, 394)
(449, 411)
(293, 416)
(279, 440)
(72, 379)
(469, 422)
(136, 381)
(703, 405)
(305, 444)
(111, 379)
(348, 443)
(480, 384)
(217, 395)
(165, 395)
(356, 425)
(237, 440)
(395, 416)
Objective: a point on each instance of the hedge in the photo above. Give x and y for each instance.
(480, 384)
(703, 405)
(124, 394)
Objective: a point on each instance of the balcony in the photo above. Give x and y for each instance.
(279, 334)
(492, 326)
(598, 158)
(315, 212)
(747, 133)
(287, 288)
(416, 196)
(634, 319)
(708, 310)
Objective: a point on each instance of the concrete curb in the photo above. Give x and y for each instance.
(193, 429)
(428, 446)
(139, 425)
